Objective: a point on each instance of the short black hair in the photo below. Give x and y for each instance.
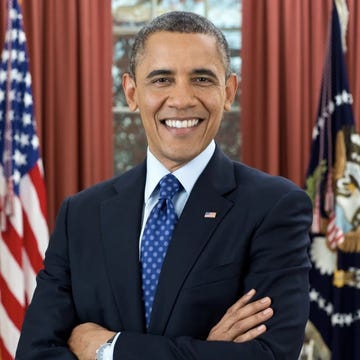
(181, 22)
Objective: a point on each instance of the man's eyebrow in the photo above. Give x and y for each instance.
(207, 72)
(158, 73)
(165, 72)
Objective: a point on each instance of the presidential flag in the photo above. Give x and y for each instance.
(23, 226)
(333, 183)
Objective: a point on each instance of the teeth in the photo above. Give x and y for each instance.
(179, 124)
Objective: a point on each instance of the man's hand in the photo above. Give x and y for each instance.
(86, 338)
(243, 321)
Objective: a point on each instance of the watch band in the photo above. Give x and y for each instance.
(100, 351)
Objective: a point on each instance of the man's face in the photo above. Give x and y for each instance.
(181, 92)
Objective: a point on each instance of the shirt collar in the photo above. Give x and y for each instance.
(187, 174)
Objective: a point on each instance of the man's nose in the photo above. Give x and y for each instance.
(182, 96)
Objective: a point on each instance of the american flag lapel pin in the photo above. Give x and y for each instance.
(210, 215)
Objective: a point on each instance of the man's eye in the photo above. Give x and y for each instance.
(161, 81)
(202, 79)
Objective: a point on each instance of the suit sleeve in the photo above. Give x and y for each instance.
(279, 267)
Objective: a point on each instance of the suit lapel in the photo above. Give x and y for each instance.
(191, 235)
(121, 223)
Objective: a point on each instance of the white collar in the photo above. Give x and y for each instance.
(187, 174)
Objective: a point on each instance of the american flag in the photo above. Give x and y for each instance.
(23, 226)
(333, 183)
(210, 215)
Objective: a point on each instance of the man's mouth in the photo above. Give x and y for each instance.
(182, 124)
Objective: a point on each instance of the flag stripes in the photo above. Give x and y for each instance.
(23, 226)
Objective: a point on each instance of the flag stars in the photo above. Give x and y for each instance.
(22, 37)
(2, 76)
(14, 54)
(14, 34)
(331, 107)
(26, 119)
(14, 15)
(348, 319)
(28, 80)
(24, 140)
(35, 142)
(343, 98)
(20, 145)
(21, 56)
(337, 319)
(19, 158)
(15, 75)
(314, 295)
(338, 100)
(346, 97)
(5, 56)
(17, 176)
(28, 99)
(343, 319)
(321, 303)
(329, 309)
(12, 95)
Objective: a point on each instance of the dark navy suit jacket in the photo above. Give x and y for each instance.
(258, 239)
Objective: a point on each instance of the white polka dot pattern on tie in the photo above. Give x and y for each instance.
(156, 237)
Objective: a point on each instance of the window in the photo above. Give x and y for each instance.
(129, 16)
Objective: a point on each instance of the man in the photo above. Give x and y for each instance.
(232, 229)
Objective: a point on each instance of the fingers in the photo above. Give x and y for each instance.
(243, 320)
(250, 327)
(232, 314)
(251, 334)
(242, 301)
(242, 309)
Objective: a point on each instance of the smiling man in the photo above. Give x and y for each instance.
(181, 92)
(154, 264)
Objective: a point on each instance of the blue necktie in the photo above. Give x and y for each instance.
(156, 238)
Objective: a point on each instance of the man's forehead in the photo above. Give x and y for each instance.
(170, 51)
(167, 44)
(152, 38)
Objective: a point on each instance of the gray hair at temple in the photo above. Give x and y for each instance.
(181, 22)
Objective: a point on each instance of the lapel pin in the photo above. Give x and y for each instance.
(210, 215)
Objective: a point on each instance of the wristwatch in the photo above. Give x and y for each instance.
(102, 348)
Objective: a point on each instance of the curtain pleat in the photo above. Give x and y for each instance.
(353, 56)
(70, 45)
(283, 53)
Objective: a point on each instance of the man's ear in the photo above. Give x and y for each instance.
(230, 89)
(129, 87)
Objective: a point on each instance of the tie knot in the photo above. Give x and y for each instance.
(169, 186)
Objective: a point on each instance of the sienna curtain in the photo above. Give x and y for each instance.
(70, 46)
(283, 52)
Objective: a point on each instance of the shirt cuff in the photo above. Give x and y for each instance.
(109, 351)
